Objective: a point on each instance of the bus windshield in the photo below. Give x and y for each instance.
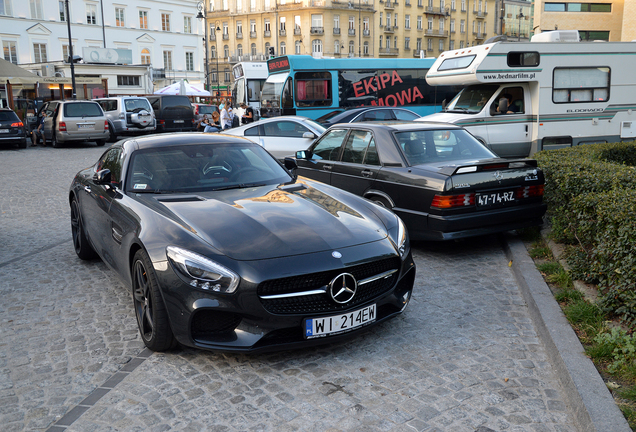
(272, 90)
(472, 99)
(254, 87)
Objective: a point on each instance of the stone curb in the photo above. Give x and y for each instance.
(592, 405)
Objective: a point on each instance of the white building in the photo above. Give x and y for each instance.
(137, 45)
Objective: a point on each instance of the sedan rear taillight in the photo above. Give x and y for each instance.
(453, 201)
(62, 126)
(106, 125)
(530, 191)
(17, 124)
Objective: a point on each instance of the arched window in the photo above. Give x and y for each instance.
(298, 44)
(145, 56)
(316, 46)
(253, 49)
(380, 41)
(365, 48)
(239, 49)
(283, 48)
(351, 47)
(226, 51)
(213, 52)
(336, 47)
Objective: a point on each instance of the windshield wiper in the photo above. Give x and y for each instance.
(239, 186)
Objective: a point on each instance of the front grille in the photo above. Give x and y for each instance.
(318, 303)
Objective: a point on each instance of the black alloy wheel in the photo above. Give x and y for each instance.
(82, 247)
(152, 317)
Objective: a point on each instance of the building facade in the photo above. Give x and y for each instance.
(604, 20)
(248, 30)
(138, 46)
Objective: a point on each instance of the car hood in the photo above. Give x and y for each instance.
(270, 222)
(444, 117)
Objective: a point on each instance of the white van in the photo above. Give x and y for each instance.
(559, 93)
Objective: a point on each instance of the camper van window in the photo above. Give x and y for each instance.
(517, 59)
(472, 99)
(456, 63)
(572, 85)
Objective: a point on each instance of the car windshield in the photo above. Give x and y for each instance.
(133, 105)
(320, 128)
(472, 99)
(204, 167)
(440, 145)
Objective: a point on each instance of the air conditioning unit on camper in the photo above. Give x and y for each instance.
(48, 70)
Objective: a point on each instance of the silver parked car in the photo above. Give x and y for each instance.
(281, 136)
(74, 120)
(128, 115)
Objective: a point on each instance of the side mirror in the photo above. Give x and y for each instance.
(102, 177)
(309, 135)
(302, 154)
(290, 163)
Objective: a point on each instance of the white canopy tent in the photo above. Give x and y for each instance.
(183, 88)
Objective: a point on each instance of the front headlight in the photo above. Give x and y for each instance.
(401, 239)
(201, 272)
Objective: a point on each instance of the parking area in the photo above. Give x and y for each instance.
(465, 355)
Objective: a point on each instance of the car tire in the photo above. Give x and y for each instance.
(23, 144)
(100, 143)
(112, 136)
(381, 201)
(82, 246)
(150, 311)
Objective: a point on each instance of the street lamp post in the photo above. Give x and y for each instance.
(520, 18)
(216, 50)
(202, 17)
(70, 50)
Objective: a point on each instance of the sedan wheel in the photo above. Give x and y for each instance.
(382, 201)
(83, 249)
(152, 317)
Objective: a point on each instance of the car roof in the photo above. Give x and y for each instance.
(397, 126)
(181, 138)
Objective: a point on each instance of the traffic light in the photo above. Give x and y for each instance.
(271, 51)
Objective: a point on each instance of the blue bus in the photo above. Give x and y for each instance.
(312, 87)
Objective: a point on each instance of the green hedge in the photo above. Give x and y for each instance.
(591, 196)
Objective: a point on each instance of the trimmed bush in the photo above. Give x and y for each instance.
(591, 196)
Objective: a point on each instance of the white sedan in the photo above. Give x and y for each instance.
(281, 136)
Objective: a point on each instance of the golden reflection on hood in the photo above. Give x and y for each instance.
(310, 193)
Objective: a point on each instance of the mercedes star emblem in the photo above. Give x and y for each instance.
(343, 288)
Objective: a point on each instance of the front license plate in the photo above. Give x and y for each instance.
(494, 198)
(320, 327)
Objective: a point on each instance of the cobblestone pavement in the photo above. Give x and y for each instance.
(465, 355)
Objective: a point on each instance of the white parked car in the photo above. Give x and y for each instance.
(281, 136)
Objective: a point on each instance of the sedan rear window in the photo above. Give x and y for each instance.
(433, 146)
(82, 109)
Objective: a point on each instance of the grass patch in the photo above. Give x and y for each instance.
(550, 267)
(540, 252)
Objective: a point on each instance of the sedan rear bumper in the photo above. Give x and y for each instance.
(452, 227)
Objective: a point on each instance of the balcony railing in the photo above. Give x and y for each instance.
(366, 32)
(389, 51)
(158, 73)
(435, 10)
(389, 5)
(436, 33)
(317, 30)
(282, 32)
(388, 29)
(297, 32)
(479, 35)
(318, 3)
(253, 35)
(352, 32)
(480, 14)
(239, 35)
(267, 33)
(226, 36)
(336, 31)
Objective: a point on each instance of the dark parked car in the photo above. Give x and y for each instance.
(173, 113)
(224, 249)
(437, 177)
(11, 128)
(369, 113)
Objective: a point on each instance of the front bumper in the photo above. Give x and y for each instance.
(244, 322)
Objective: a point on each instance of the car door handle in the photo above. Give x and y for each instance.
(327, 167)
(367, 173)
(87, 189)
(479, 120)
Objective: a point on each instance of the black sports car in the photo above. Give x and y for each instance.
(437, 177)
(224, 249)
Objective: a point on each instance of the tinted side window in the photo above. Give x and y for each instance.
(328, 148)
(405, 115)
(253, 131)
(112, 160)
(356, 146)
(285, 129)
(373, 115)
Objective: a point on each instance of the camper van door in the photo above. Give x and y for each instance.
(510, 132)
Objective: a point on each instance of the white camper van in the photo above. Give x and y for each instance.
(551, 92)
